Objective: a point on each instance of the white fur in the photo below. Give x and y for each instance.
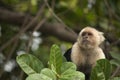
(80, 57)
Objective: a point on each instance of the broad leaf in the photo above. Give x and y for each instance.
(72, 75)
(29, 63)
(106, 67)
(102, 70)
(68, 66)
(115, 62)
(38, 77)
(55, 58)
(97, 73)
(68, 72)
(115, 56)
(49, 73)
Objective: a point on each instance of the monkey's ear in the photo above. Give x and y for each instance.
(102, 38)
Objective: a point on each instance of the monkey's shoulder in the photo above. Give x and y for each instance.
(67, 54)
(70, 51)
(100, 53)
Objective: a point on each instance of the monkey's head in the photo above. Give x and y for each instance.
(90, 38)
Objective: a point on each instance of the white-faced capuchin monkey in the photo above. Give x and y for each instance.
(86, 51)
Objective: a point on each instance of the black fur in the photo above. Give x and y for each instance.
(68, 54)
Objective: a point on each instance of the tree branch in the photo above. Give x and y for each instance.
(58, 30)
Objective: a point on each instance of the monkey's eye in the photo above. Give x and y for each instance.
(90, 34)
(87, 33)
(84, 33)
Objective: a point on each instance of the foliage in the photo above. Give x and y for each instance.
(61, 70)
(29, 63)
(116, 59)
(102, 71)
(58, 68)
(55, 61)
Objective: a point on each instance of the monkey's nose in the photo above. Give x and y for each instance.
(85, 37)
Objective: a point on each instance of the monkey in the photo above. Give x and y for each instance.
(86, 50)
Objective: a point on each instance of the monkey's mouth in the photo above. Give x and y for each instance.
(85, 40)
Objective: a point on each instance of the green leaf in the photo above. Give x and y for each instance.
(38, 77)
(49, 73)
(56, 58)
(34, 2)
(68, 72)
(97, 73)
(69, 3)
(106, 67)
(102, 70)
(68, 66)
(115, 56)
(72, 75)
(115, 62)
(115, 78)
(29, 63)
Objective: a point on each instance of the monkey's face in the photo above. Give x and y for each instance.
(90, 38)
